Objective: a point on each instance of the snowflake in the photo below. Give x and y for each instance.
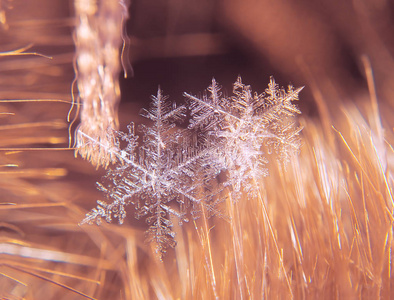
(169, 167)
(242, 124)
(173, 172)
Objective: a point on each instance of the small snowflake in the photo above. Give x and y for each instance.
(242, 124)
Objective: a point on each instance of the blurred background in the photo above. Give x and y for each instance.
(177, 44)
(181, 45)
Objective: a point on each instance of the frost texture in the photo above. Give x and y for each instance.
(174, 172)
(169, 167)
(242, 124)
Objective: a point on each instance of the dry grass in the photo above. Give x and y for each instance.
(322, 228)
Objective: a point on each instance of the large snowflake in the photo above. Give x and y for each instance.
(169, 167)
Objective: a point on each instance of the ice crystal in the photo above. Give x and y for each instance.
(242, 124)
(168, 167)
(173, 172)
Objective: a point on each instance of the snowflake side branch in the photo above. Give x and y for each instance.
(119, 155)
(214, 109)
